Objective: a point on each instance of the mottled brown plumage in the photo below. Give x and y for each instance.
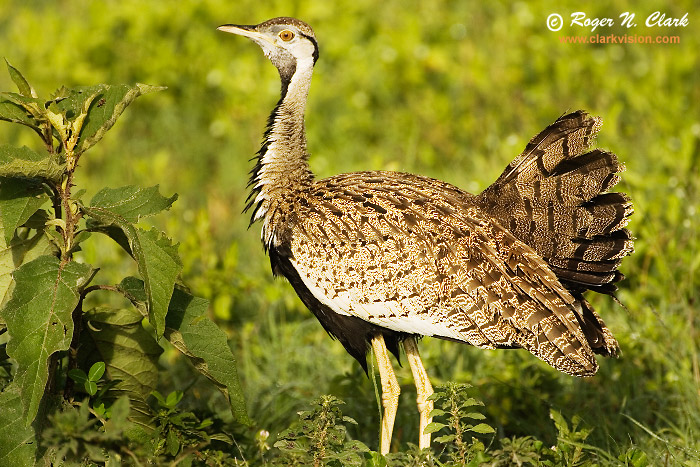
(393, 255)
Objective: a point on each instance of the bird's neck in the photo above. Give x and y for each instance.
(282, 168)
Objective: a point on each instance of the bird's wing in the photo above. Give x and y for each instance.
(412, 255)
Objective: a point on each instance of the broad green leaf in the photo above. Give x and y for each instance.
(444, 439)
(22, 85)
(130, 354)
(132, 202)
(68, 111)
(559, 421)
(90, 387)
(118, 424)
(78, 375)
(156, 257)
(39, 321)
(120, 412)
(15, 113)
(482, 428)
(159, 266)
(32, 105)
(470, 402)
(159, 397)
(190, 330)
(106, 108)
(19, 200)
(96, 371)
(18, 251)
(174, 398)
(375, 459)
(432, 427)
(23, 162)
(17, 441)
(172, 444)
(72, 102)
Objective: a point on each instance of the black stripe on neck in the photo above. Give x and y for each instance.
(313, 41)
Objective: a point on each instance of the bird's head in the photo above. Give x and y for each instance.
(287, 42)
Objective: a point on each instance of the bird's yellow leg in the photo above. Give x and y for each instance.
(423, 388)
(390, 391)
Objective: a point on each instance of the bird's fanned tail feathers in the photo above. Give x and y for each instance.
(554, 198)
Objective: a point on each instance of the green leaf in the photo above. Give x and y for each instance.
(90, 387)
(129, 352)
(17, 440)
(159, 265)
(445, 439)
(432, 427)
(118, 420)
(96, 371)
(100, 409)
(67, 114)
(207, 422)
(78, 375)
(156, 257)
(106, 108)
(482, 428)
(172, 444)
(132, 202)
(22, 85)
(19, 200)
(375, 459)
(19, 250)
(25, 163)
(475, 416)
(159, 397)
(559, 422)
(39, 321)
(173, 399)
(32, 105)
(469, 402)
(15, 113)
(634, 457)
(190, 330)
(71, 103)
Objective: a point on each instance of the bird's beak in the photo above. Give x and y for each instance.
(247, 31)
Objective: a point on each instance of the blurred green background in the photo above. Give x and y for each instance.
(448, 89)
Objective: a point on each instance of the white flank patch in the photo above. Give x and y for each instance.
(385, 314)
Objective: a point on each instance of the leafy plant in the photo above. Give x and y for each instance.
(89, 383)
(318, 438)
(44, 283)
(457, 411)
(73, 436)
(178, 434)
(518, 451)
(90, 380)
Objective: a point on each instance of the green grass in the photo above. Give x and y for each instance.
(451, 90)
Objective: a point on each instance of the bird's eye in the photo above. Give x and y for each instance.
(286, 35)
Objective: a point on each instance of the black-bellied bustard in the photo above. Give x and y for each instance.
(383, 257)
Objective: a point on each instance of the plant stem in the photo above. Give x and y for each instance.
(92, 288)
(71, 219)
(320, 453)
(457, 425)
